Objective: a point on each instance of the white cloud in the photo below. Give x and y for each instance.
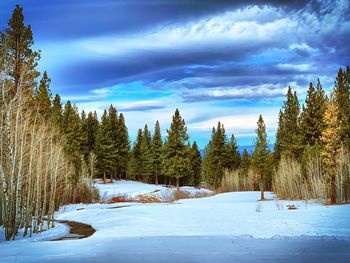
(239, 123)
(298, 67)
(258, 24)
(262, 91)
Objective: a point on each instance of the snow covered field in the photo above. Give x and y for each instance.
(218, 228)
(136, 190)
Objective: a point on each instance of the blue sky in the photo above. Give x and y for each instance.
(214, 60)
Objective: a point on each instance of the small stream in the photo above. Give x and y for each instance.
(76, 230)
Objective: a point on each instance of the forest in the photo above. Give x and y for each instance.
(50, 152)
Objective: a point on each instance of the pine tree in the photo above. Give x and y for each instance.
(123, 145)
(245, 163)
(113, 132)
(331, 141)
(288, 137)
(72, 129)
(216, 157)
(104, 145)
(312, 121)
(175, 161)
(233, 155)
(84, 147)
(342, 98)
(136, 158)
(17, 41)
(196, 165)
(261, 159)
(92, 125)
(279, 137)
(56, 111)
(42, 96)
(157, 145)
(146, 155)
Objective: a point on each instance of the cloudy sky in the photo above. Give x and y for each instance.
(214, 60)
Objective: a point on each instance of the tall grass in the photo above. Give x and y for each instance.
(291, 182)
(236, 180)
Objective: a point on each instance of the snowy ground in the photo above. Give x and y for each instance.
(136, 190)
(221, 228)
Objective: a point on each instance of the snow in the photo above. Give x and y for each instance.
(57, 231)
(222, 228)
(132, 190)
(229, 214)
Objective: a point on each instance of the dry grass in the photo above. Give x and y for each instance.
(150, 198)
(235, 181)
(290, 183)
(121, 199)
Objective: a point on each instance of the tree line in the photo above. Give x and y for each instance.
(311, 155)
(316, 137)
(41, 166)
(50, 153)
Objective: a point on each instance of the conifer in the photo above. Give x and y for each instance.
(342, 98)
(146, 155)
(123, 145)
(233, 155)
(196, 165)
(312, 121)
(17, 41)
(157, 145)
(56, 111)
(261, 158)
(104, 145)
(175, 161)
(288, 136)
(331, 142)
(42, 96)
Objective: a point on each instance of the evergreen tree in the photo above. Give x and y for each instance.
(72, 129)
(261, 156)
(112, 128)
(331, 141)
(342, 98)
(84, 147)
(279, 137)
(216, 157)
(245, 163)
(312, 121)
(104, 146)
(288, 137)
(157, 145)
(233, 155)
(42, 96)
(56, 111)
(196, 165)
(136, 161)
(176, 162)
(123, 145)
(92, 125)
(146, 155)
(17, 42)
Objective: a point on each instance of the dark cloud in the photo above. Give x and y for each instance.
(201, 65)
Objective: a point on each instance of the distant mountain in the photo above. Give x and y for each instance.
(250, 149)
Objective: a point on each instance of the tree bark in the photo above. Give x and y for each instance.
(262, 197)
(333, 190)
